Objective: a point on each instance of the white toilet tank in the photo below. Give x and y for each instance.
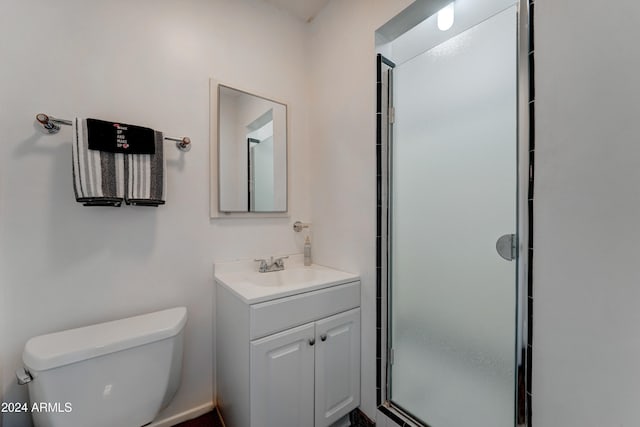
(114, 374)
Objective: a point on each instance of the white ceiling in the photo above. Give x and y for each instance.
(305, 10)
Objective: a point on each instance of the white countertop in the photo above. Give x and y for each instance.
(243, 279)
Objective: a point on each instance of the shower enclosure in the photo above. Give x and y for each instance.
(452, 318)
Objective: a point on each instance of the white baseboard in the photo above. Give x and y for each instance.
(183, 416)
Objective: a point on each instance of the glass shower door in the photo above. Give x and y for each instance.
(453, 189)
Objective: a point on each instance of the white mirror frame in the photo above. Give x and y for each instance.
(214, 211)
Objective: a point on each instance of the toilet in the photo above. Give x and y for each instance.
(113, 374)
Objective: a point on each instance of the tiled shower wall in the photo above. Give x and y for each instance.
(530, 196)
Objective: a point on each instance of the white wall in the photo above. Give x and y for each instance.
(587, 204)
(342, 73)
(145, 62)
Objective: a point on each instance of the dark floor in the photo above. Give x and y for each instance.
(207, 420)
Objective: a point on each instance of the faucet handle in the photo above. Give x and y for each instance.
(263, 264)
(279, 261)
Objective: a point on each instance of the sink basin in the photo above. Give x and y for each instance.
(243, 279)
(290, 277)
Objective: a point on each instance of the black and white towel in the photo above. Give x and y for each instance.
(98, 176)
(146, 177)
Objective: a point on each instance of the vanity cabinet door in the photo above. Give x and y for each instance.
(282, 367)
(337, 373)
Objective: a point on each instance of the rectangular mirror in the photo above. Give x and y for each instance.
(251, 164)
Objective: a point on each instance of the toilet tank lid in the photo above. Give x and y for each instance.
(73, 345)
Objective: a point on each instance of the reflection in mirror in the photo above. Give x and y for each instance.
(252, 153)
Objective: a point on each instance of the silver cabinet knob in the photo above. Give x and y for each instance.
(312, 341)
(323, 337)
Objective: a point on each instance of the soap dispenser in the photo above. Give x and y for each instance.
(307, 252)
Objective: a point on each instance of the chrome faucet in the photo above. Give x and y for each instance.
(272, 265)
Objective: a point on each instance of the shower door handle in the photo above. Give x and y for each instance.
(507, 246)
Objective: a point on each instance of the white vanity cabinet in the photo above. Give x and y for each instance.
(307, 376)
(291, 361)
(337, 366)
(282, 379)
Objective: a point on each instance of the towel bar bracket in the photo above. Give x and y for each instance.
(183, 144)
(51, 125)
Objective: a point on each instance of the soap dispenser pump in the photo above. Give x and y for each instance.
(307, 252)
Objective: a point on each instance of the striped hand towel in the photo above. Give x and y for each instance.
(98, 176)
(146, 177)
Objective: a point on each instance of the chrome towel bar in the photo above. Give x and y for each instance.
(52, 125)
